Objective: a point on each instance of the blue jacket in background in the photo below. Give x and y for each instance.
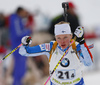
(17, 31)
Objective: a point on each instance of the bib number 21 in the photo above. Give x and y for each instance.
(66, 74)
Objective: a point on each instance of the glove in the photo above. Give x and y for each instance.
(79, 32)
(26, 40)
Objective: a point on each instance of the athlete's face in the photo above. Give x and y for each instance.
(63, 40)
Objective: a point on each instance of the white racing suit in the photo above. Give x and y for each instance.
(69, 71)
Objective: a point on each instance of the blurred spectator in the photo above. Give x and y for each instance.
(29, 21)
(2, 71)
(3, 31)
(72, 18)
(17, 31)
(2, 20)
(3, 45)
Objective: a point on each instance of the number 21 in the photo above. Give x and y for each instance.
(67, 74)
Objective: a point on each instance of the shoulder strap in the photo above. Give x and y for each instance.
(73, 45)
(52, 50)
(74, 48)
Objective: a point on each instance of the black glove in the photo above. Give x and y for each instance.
(26, 40)
(79, 32)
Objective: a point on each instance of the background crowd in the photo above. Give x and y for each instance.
(19, 70)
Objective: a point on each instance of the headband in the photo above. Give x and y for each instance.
(62, 29)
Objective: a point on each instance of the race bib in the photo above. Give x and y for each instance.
(65, 74)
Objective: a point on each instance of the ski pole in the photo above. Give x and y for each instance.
(59, 62)
(28, 39)
(11, 52)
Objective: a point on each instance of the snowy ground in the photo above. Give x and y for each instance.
(92, 78)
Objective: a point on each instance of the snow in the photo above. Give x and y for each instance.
(92, 78)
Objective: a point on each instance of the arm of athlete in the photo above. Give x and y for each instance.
(84, 53)
(42, 49)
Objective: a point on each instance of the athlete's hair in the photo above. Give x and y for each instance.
(62, 22)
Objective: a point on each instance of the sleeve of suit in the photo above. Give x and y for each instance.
(85, 55)
(42, 49)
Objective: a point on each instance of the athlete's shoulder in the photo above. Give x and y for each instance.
(46, 46)
(52, 42)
